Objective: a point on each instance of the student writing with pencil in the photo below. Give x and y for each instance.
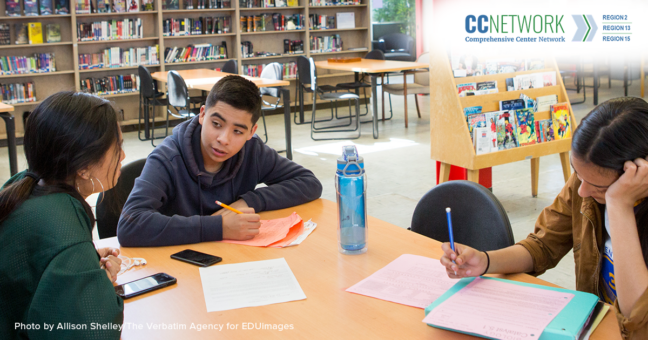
(214, 156)
(601, 214)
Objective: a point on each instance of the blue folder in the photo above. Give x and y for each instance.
(566, 325)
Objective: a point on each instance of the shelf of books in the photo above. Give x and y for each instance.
(494, 110)
(97, 45)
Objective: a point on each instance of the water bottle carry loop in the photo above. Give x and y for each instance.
(352, 175)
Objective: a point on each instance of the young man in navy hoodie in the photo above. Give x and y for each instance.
(214, 156)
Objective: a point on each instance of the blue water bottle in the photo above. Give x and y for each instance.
(351, 186)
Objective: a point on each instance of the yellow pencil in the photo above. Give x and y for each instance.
(228, 207)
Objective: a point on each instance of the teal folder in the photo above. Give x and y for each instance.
(566, 325)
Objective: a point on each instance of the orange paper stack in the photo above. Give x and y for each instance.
(276, 233)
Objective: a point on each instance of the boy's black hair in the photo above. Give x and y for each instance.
(237, 92)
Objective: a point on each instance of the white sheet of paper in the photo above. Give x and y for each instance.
(499, 310)
(249, 284)
(308, 228)
(409, 280)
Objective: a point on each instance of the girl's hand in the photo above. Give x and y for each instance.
(631, 186)
(112, 265)
(469, 262)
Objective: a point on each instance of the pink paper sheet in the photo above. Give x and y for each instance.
(499, 310)
(275, 232)
(409, 280)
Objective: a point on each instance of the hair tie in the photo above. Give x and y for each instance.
(34, 176)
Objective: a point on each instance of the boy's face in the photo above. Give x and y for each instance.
(225, 129)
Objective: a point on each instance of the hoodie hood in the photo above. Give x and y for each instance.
(186, 136)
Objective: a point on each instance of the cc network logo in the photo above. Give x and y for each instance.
(481, 21)
(586, 27)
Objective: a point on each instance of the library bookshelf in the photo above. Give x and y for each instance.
(451, 143)
(68, 76)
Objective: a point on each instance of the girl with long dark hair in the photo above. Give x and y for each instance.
(601, 213)
(50, 273)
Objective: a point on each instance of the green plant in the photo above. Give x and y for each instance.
(397, 11)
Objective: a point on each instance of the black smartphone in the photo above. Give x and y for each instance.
(144, 285)
(196, 257)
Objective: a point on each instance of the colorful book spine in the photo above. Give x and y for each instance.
(38, 63)
(18, 93)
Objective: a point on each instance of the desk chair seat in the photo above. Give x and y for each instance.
(412, 88)
(478, 218)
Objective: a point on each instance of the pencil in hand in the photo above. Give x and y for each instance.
(228, 207)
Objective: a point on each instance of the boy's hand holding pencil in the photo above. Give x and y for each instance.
(240, 224)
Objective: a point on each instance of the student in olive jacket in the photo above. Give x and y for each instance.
(54, 284)
(601, 214)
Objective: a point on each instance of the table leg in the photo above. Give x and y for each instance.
(473, 175)
(566, 166)
(11, 141)
(374, 104)
(535, 172)
(286, 102)
(356, 80)
(444, 172)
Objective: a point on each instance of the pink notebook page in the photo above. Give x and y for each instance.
(273, 231)
(409, 280)
(499, 310)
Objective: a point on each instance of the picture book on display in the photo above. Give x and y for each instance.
(506, 130)
(487, 87)
(561, 121)
(147, 5)
(481, 139)
(472, 110)
(5, 34)
(491, 123)
(171, 4)
(544, 103)
(103, 6)
(61, 6)
(53, 33)
(12, 8)
(133, 5)
(528, 102)
(514, 104)
(464, 89)
(31, 7)
(525, 127)
(35, 31)
(534, 80)
(119, 6)
(544, 130)
(475, 121)
(534, 64)
(21, 34)
(46, 7)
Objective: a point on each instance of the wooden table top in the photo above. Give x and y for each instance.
(6, 107)
(371, 66)
(323, 274)
(204, 79)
